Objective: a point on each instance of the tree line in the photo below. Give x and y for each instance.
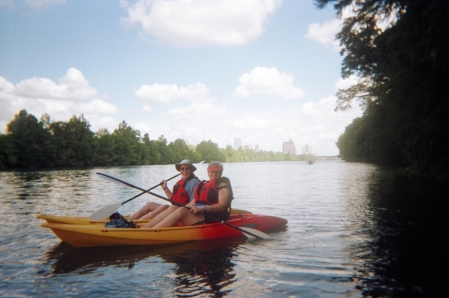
(30, 143)
(403, 75)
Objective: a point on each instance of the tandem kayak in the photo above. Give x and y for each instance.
(89, 235)
(84, 220)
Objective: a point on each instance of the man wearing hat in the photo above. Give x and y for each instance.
(183, 192)
(184, 188)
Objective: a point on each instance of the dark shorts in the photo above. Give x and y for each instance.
(224, 215)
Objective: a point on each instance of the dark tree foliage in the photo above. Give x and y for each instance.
(403, 83)
(127, 149)
(182, 151)
(73, 142)
(30, 143)
(210, 152)
(7, 157)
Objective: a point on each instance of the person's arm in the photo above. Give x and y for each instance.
(167, 191)
(224, 201)
(224, 198)
(191, 204)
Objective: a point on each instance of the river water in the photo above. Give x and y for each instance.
(352, 232)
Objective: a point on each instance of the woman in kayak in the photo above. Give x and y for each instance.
(212, 202)
(182, 192)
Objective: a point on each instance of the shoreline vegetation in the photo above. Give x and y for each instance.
(31, 144)
(402, 73)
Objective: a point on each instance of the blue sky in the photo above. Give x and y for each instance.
(265, 71)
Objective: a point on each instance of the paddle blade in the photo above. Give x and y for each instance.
(104, 212)
(253, 233)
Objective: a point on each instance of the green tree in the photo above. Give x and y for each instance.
(182, 151)
(128, 147)
(209, 151)
(403, 74)
(146, 151)
(105, 153)
(31, 142)
(7, 157)
(74, 142)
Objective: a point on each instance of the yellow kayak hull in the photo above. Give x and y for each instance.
(89, 235)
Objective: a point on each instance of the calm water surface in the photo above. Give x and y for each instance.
(350, 233)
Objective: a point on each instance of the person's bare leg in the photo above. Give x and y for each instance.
(158, 218)
(155, 212)
(148, 207)
(182, 216)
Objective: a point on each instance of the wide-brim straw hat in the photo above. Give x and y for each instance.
(185, 162)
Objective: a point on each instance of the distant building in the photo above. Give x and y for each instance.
(237, 143)
(289, 147)
(247, 147)
(307, 150)
(256, 148)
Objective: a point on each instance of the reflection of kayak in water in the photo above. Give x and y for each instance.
(194, 269)
(87, 235)
(65, 258)
(84, 220)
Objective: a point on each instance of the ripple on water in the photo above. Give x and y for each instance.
(350, 233)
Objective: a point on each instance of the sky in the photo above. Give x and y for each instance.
(264, 71)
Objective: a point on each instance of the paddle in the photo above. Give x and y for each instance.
(106, 211)
(248, 232)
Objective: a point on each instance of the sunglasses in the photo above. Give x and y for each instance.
(185, 169)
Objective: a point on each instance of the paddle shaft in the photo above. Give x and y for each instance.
(244, 231)
(143, 190)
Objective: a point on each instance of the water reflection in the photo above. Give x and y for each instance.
(201, 267)
(403, 231)
(349, 226)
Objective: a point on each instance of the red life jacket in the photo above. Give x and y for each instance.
(206, 193)
(180, 194)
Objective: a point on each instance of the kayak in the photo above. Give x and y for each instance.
(84, 220)
(90, 235)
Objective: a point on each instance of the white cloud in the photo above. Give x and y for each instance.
(267, 81)
(143, 128)
(5, 86)
(201, 22)
(96, 106)
(325, 32)
(100, 121)
(346, 83)
(198, 110)
(147, 108)
(73, 86)
(313, 123)
(250, 123)
(166, 93)
(41, 95)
